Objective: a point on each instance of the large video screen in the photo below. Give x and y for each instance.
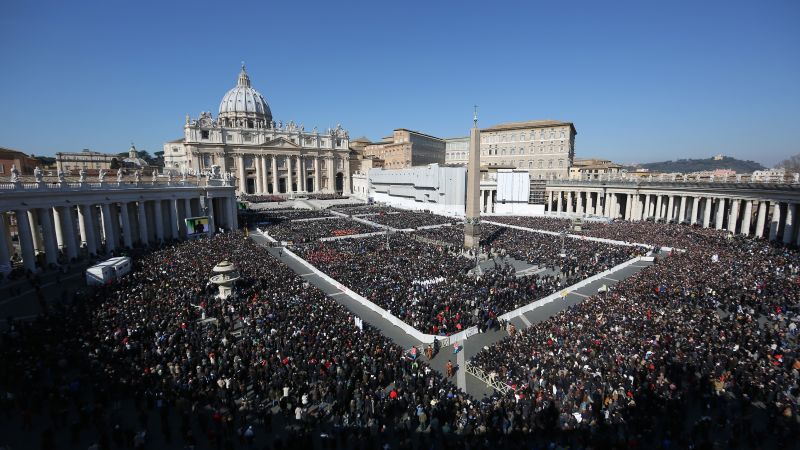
(196, 225)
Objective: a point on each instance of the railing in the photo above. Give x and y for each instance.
(490, 381)
(114, 185)
(681, 181)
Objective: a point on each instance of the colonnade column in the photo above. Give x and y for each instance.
(25, 240)
(720, 213)
(67, 230)
(695, 209)
(762, 218)
(48, 235)
(658, 207)
(670, 207)
(259, 185)
(60, 242)
(142, 217)
(549, 201)
(211, 224)
(274, 174)
(108, 230)
(558, 201)
(158, 219)
(747, 217)
(569, 202)
(682, 209)
(127, 235)
(173, 218)
(788, 228)
(776, 221)
(707, 213)
(5, 254)
(734, 216)
(187, 212)
(87, 228)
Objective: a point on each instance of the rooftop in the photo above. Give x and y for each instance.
(529, 124)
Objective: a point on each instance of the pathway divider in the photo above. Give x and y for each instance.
(575, 236)
(561, 294)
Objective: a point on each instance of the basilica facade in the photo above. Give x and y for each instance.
(265, 157)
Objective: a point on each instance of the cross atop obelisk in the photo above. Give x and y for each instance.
(472, 229)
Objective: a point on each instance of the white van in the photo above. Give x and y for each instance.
(108, 271)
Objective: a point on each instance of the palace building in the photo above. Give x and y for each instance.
(265, 157)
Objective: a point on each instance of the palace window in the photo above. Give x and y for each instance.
(204, 134)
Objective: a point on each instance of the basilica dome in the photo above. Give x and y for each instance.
(244, 106)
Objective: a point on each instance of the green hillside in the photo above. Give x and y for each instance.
(697, 165)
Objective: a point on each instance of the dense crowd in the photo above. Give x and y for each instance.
(411, 219)
(326, 197)
(534, 222)
(220, 371)
(429, 287)
(700, 347)
(258, 198)
(313, 229)
(261, 217)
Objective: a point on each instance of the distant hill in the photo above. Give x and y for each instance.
(697, 165)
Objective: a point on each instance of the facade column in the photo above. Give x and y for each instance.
(734, 216)
(158, 219)
(259, 185)
(87, 228)
(48, 235)
(289, 173)
(264, 172)
(762, 218)
(242, 176)
(25, 239)
(775, 222)
(747, 217)
(682, 209)
(142, 217)
(127, 228)
(720, 213)
(346, 174)
(707, 213)
(300, 187)
(212, 227)
(317, 177)
(108, 230)
(173, 218)
(788, 228)
(330, 165)
(274, 174)
(695, 209)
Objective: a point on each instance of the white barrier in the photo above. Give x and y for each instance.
(556, 295)
(573, 236)
(431, 227)
(312, 219)
(352, 236)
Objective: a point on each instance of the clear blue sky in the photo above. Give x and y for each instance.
(642, 81)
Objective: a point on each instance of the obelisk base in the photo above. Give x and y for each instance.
(472, 235)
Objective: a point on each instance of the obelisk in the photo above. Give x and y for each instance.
(472, 228)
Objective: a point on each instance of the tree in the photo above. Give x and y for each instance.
(114, 164)
(791, 164)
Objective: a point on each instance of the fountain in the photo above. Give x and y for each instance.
(225, 274)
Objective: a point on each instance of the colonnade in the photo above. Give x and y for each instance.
(761, 214)
(487, 200)
(52, 225)
(298, 173)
